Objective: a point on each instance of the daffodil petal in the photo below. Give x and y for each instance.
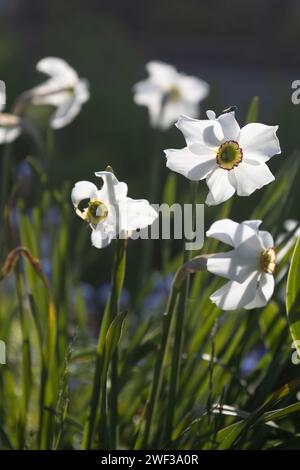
(232, 233)
(65, 113)
(173, 109)
(148, 94)
(136, 214)
(230, 128)
(266, 239)
(9, 134)
(207, 132)
(102, 236)
(194, 89)
(83, 190)
(112, 189)
(259, 142)
(264, 292)
(251, 177)
(254, 224)
(161, 74)
(58, 68)
(229, 265)
(189, 164)
(234, 295)
(2, 98)
(220, 187)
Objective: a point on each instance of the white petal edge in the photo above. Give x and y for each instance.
(259, 142)
(187, 163)
(58, 68)
(234, 295)
(207, 132)
(230, 128)
(83, 190)
(251, 177)
(264, 292)
(220, 187)
(230, 232)
(136, 214)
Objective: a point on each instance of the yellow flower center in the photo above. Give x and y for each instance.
(96, 212)
(267, 260)
(174, 94)
(229, 155)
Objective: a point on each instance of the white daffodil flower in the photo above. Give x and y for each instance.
(230, 158)
(249, 266)
(64, 90)
(109, 212)
(168, 94)
(10, 125)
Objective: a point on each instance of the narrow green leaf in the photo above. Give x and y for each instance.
(113, 337)
(293, 296)
(252, 114)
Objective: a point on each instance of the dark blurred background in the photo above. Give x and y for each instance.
(241, 48)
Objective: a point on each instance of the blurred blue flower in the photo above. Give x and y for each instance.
(45, 245)
(24, 175)
(14, 217)
(159, 293)
(250, 361)
(52, 218)
(89, 295)
(47, 267)
(103, 294)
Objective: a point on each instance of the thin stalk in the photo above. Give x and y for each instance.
(96, 391)
(179, 328)
(143, 442)
(5, 175)
(26, 362)
(117, 286)
(153, 196)
(99, 383)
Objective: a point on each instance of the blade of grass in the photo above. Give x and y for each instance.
(179, 328)
(293, 297)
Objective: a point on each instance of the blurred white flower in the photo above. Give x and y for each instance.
(249, 266)
(231, 159)
(292, 232)
(64, 90)
(109, 211)
(10, 125)
(168, 94)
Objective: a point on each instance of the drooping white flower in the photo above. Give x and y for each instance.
(109, 212)
(64, 90)
(10, 125)
(230, 158)
(168, 94)
(249, 266)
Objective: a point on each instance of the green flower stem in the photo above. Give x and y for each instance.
(88, 433)
(196, 264)
(99, 382)
(154, 197)
(117, 286)
(5, 175)
(26, 358)
(143, 442)
(179, 327)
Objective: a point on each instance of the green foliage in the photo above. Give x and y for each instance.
(175, 374)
